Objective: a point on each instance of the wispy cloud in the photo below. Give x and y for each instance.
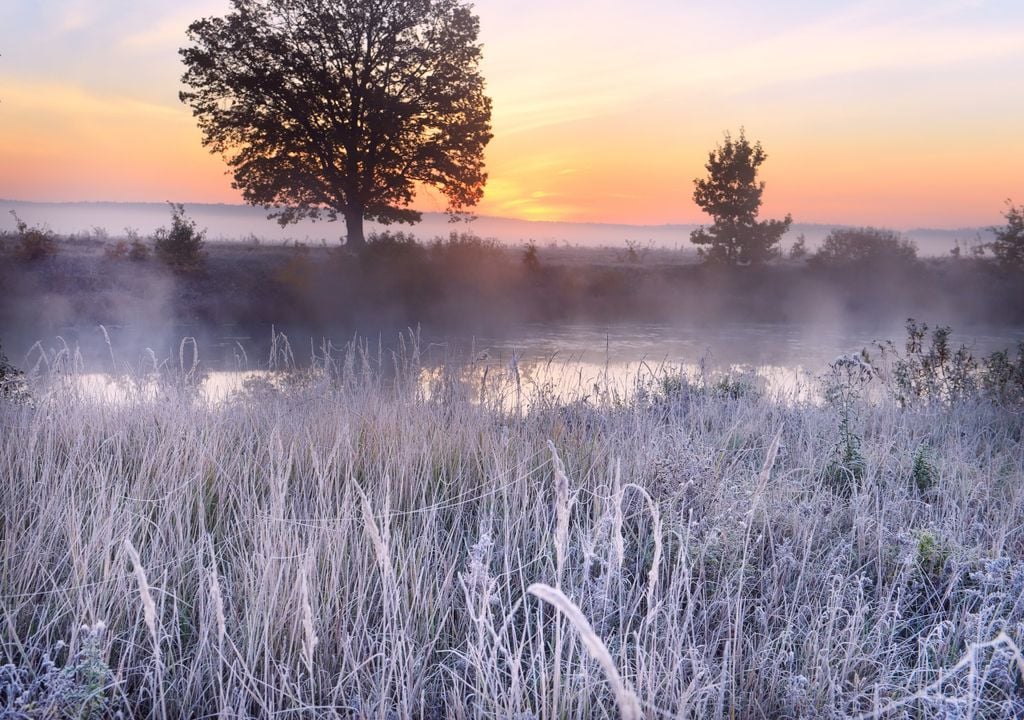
(610, 66)
(55, 100)
(166, 32)
(826, 52)
(74, 16)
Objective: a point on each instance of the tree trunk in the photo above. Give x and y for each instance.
(355, 240)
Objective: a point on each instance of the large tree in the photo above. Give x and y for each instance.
(731, 195)
(342, 107)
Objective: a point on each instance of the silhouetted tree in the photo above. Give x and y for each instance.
(1008, 247)
(731, 195)
(865, 246)
(343, 107)
(180, 246)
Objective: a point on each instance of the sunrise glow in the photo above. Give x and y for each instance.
(603, 111)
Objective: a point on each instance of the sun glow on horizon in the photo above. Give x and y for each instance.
(869, 115)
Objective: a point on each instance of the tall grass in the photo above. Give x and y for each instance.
(346, 544)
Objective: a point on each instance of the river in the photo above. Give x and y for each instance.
(566, 361)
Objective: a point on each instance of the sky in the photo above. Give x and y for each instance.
(900, 114)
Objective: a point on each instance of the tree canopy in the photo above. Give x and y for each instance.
(731, 195)
(342, 107)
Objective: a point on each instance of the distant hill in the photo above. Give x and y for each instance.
(242, 222)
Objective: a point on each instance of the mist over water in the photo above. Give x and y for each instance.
(566, 360)
(243, 223)
(583, 311)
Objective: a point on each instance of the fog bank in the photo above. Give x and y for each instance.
(240, 223)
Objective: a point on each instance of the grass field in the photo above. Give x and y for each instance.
(345, 543)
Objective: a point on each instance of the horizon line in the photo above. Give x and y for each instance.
(502, 218)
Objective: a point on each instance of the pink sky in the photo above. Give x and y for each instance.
(603, 111)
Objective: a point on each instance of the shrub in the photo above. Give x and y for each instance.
(131, 247)
(929, 373)
(871, 246)
(392, 247)
(180, 247)
(935, 372)
(137, 249)
(932, 553)
(1002, 377)
(117, 250)
(464, 255)
(12, 380)
(736, 387)
(923, 474)
(844, 385)
(464, 245)
(33, 243)
(79, 689)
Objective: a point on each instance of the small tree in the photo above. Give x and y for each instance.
(731, 195)
(799, 249)
(343, 107)
(181, 247)
(1008, 247)
(865, 246)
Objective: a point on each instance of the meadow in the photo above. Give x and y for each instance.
(365, 539)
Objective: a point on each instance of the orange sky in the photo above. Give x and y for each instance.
(603, 111)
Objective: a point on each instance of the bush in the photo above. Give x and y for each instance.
(12, 380)
(33, 243)
(935, 372)
(130, 247)
(869, 246)
(392, 247)
(1002, 377)
(929, 373)
(464, 255)
(181, 247)
(117, 250)
(923, 474)
(81, 688)
(137, 249)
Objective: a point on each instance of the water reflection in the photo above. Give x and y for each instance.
(506, 386)
(536, 363)
(214, 387)
(523, 385)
